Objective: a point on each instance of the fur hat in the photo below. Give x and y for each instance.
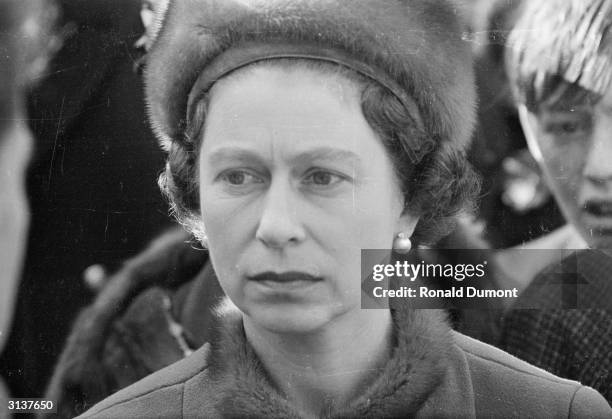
(412, 47)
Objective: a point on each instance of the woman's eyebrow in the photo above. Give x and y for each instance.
(232, 153)
(329, 154)
(321, 153)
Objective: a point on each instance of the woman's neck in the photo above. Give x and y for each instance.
(326, 368)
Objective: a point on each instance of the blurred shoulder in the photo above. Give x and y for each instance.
(501, 382)
(479, 354)
(157, 395)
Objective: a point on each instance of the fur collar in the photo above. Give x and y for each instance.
(417, 367)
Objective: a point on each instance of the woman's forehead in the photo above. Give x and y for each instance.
(275, 112)
(273, 98)
(292, 75)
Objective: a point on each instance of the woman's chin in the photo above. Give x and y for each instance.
(291, 319)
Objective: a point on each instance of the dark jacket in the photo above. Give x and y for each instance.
(571, 334)
(433, 372)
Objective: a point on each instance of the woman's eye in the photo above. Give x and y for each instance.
(239, 178)
(322, 178)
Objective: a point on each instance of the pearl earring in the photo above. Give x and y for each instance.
(402, 243)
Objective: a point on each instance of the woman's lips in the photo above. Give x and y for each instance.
(285, 280)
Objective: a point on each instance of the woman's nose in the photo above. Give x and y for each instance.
(279, 225)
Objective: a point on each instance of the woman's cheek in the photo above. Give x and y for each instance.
(230, 223)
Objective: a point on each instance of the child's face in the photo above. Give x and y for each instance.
(573, 143)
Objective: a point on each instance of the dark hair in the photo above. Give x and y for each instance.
(435, 177)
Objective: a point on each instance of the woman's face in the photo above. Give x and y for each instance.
(293, 184)
(573, 143)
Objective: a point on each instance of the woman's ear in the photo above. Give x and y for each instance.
(407, 223)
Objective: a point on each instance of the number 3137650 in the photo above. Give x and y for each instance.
(30, 405)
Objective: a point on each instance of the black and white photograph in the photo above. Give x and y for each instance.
(306, 209)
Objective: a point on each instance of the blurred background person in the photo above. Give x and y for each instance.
(91, 183)
(27, 42)
(517, 209)
(559, 62)
(516, 206)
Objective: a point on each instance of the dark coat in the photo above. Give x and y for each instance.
(131, 330)
(572, 343)
(433, 372)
